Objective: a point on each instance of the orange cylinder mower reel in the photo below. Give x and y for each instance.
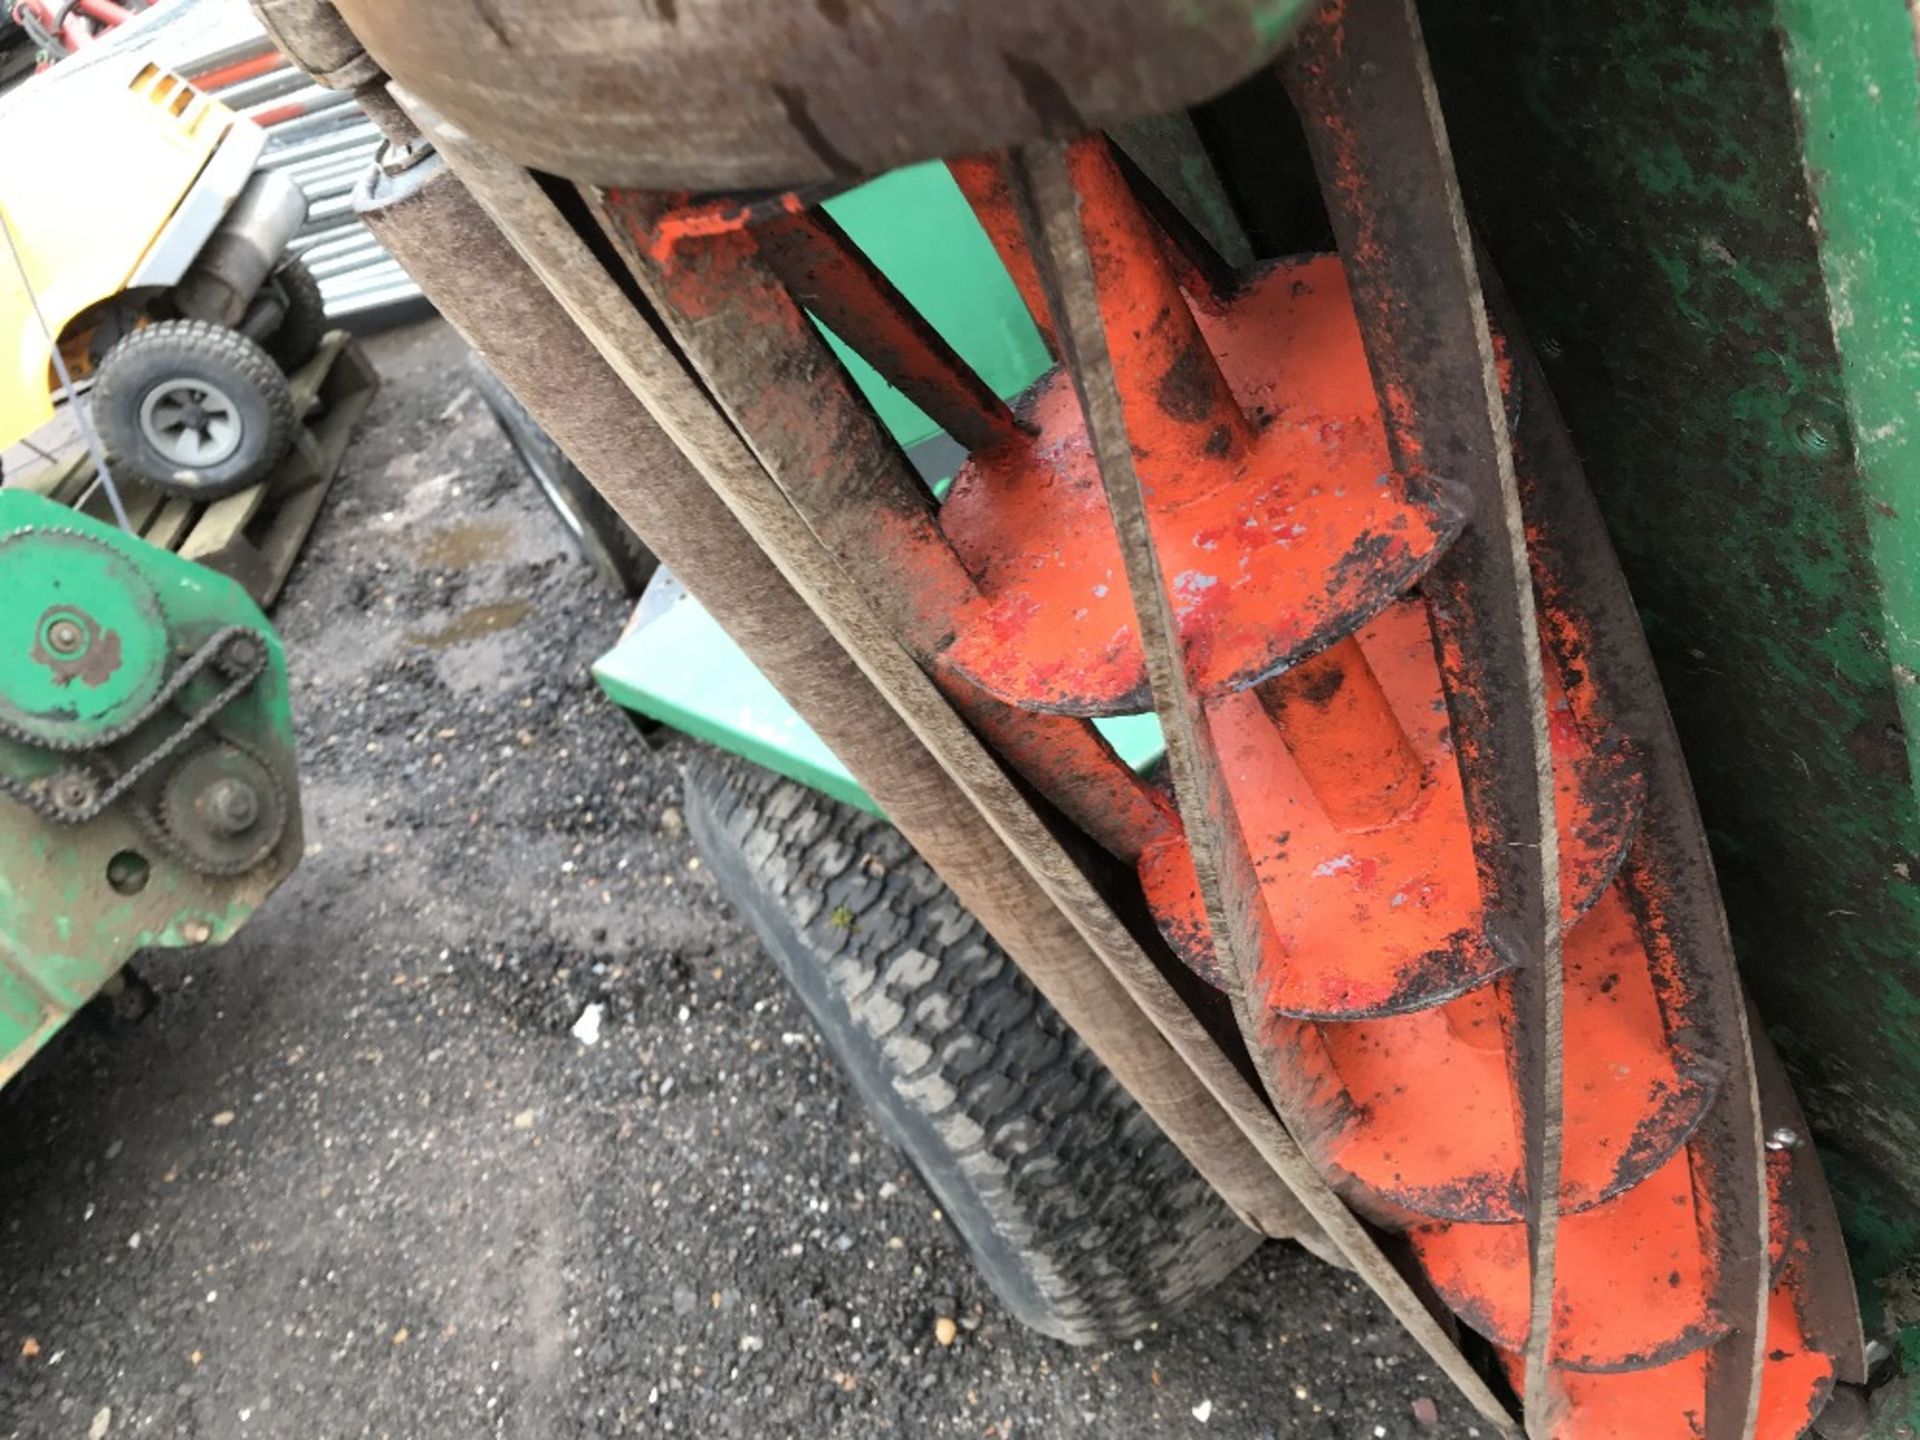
(1319, 628)
(1292, 552)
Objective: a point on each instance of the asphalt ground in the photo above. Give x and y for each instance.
(355, 1176)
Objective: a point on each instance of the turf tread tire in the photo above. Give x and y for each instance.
(171, 349)
(1081, 1215)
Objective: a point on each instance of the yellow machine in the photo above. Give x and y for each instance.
(139, 237)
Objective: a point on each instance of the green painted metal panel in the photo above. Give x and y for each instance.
(721, 698)
(69, 919)
(1857, 87)
(76, 689)
(725, 700)
(1705, 213)
(917, 228)
(1856, 78)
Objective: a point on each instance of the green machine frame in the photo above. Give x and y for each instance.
(148, 791)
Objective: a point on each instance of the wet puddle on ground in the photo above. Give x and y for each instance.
(473, 624)
(459, 546)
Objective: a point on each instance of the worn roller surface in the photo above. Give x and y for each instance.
(713, 93)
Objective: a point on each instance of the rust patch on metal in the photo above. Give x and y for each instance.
(828, 274)
(1187, 390)
(95, 657)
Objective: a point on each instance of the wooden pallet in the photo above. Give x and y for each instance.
(253, 536)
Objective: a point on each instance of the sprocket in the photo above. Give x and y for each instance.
(222, 810)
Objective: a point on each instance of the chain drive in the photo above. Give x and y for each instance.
(81, 792)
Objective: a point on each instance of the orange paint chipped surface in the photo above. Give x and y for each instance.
(1276, 549)
(1385, 1018)
(1797, 1378)
(690, 220)
(1629, 1286)
(1783, 1230)
(1668, 1402)
(1340, 729)
(1389, 919)
(1431, 1125)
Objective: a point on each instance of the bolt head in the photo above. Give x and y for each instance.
(1814, 438)
(1782, 1138)
(66, 637)
(229, 805)
(196, 932)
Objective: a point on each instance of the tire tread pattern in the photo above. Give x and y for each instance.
(1084, 1218)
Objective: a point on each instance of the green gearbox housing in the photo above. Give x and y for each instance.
(148, 786)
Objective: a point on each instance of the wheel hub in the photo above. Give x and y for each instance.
(191, 423)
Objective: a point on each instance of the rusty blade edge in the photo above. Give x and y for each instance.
(1049, 207)
(1571, 545)
(1830, 1304)
(835, 280)
(1360, 80)
(731, 308)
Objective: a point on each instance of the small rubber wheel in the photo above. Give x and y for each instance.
(303, 323)
(1081, 1215)
(604, 540)
(192, 409)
